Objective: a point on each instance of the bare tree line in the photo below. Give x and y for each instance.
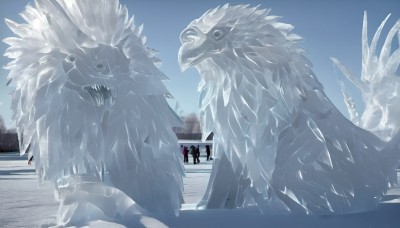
(8, 138)
(2, 125)
(190, 129)
(191, 122)
(191, 125)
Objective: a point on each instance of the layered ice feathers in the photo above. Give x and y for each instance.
(89, 101)
(280, 142)
(379, 82)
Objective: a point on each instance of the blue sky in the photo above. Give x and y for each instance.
(329, 28)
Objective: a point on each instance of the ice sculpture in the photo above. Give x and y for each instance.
(379, 83)
(89, 102)
(280, 142)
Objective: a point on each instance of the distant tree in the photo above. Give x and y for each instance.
(191, 123)
(8, 138)
(2, 125)
(12, 130)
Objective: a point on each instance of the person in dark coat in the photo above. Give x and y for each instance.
(193, 153)
(185, 152)
(198, 154)
(208, 152)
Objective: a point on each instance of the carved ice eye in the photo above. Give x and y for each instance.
(99, 66)
(102, 68)
(217, 34)
(71, 58)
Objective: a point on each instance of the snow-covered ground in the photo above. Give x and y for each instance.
(24, 204)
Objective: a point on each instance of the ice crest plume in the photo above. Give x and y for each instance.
(280, 143)
(379, 82)
(89, 105)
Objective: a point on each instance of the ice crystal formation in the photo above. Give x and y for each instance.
(280, 142)
(379, 83)
(89, 105)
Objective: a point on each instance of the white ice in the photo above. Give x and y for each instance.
(92, 111)
(379, 83)
(90, 106)
(281, 144)
(24, 204)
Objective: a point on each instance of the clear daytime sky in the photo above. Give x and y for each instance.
(330, 28)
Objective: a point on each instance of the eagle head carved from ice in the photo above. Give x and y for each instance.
(89, 101)
(279, 141)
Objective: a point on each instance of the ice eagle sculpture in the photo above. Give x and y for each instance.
(280, 143)
(89, 103)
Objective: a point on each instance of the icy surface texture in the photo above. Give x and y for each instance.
(279, 141)
(379, 83)
(89, 100)
(86, 199)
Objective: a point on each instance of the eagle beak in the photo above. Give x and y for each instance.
(192, 49)
(183, 59)
(190, 54)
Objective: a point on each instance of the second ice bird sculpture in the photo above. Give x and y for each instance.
(90, 105)
(280, 142)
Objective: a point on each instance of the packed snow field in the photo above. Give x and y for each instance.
(24, 204)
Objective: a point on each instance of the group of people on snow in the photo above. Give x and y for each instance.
(195, 152)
